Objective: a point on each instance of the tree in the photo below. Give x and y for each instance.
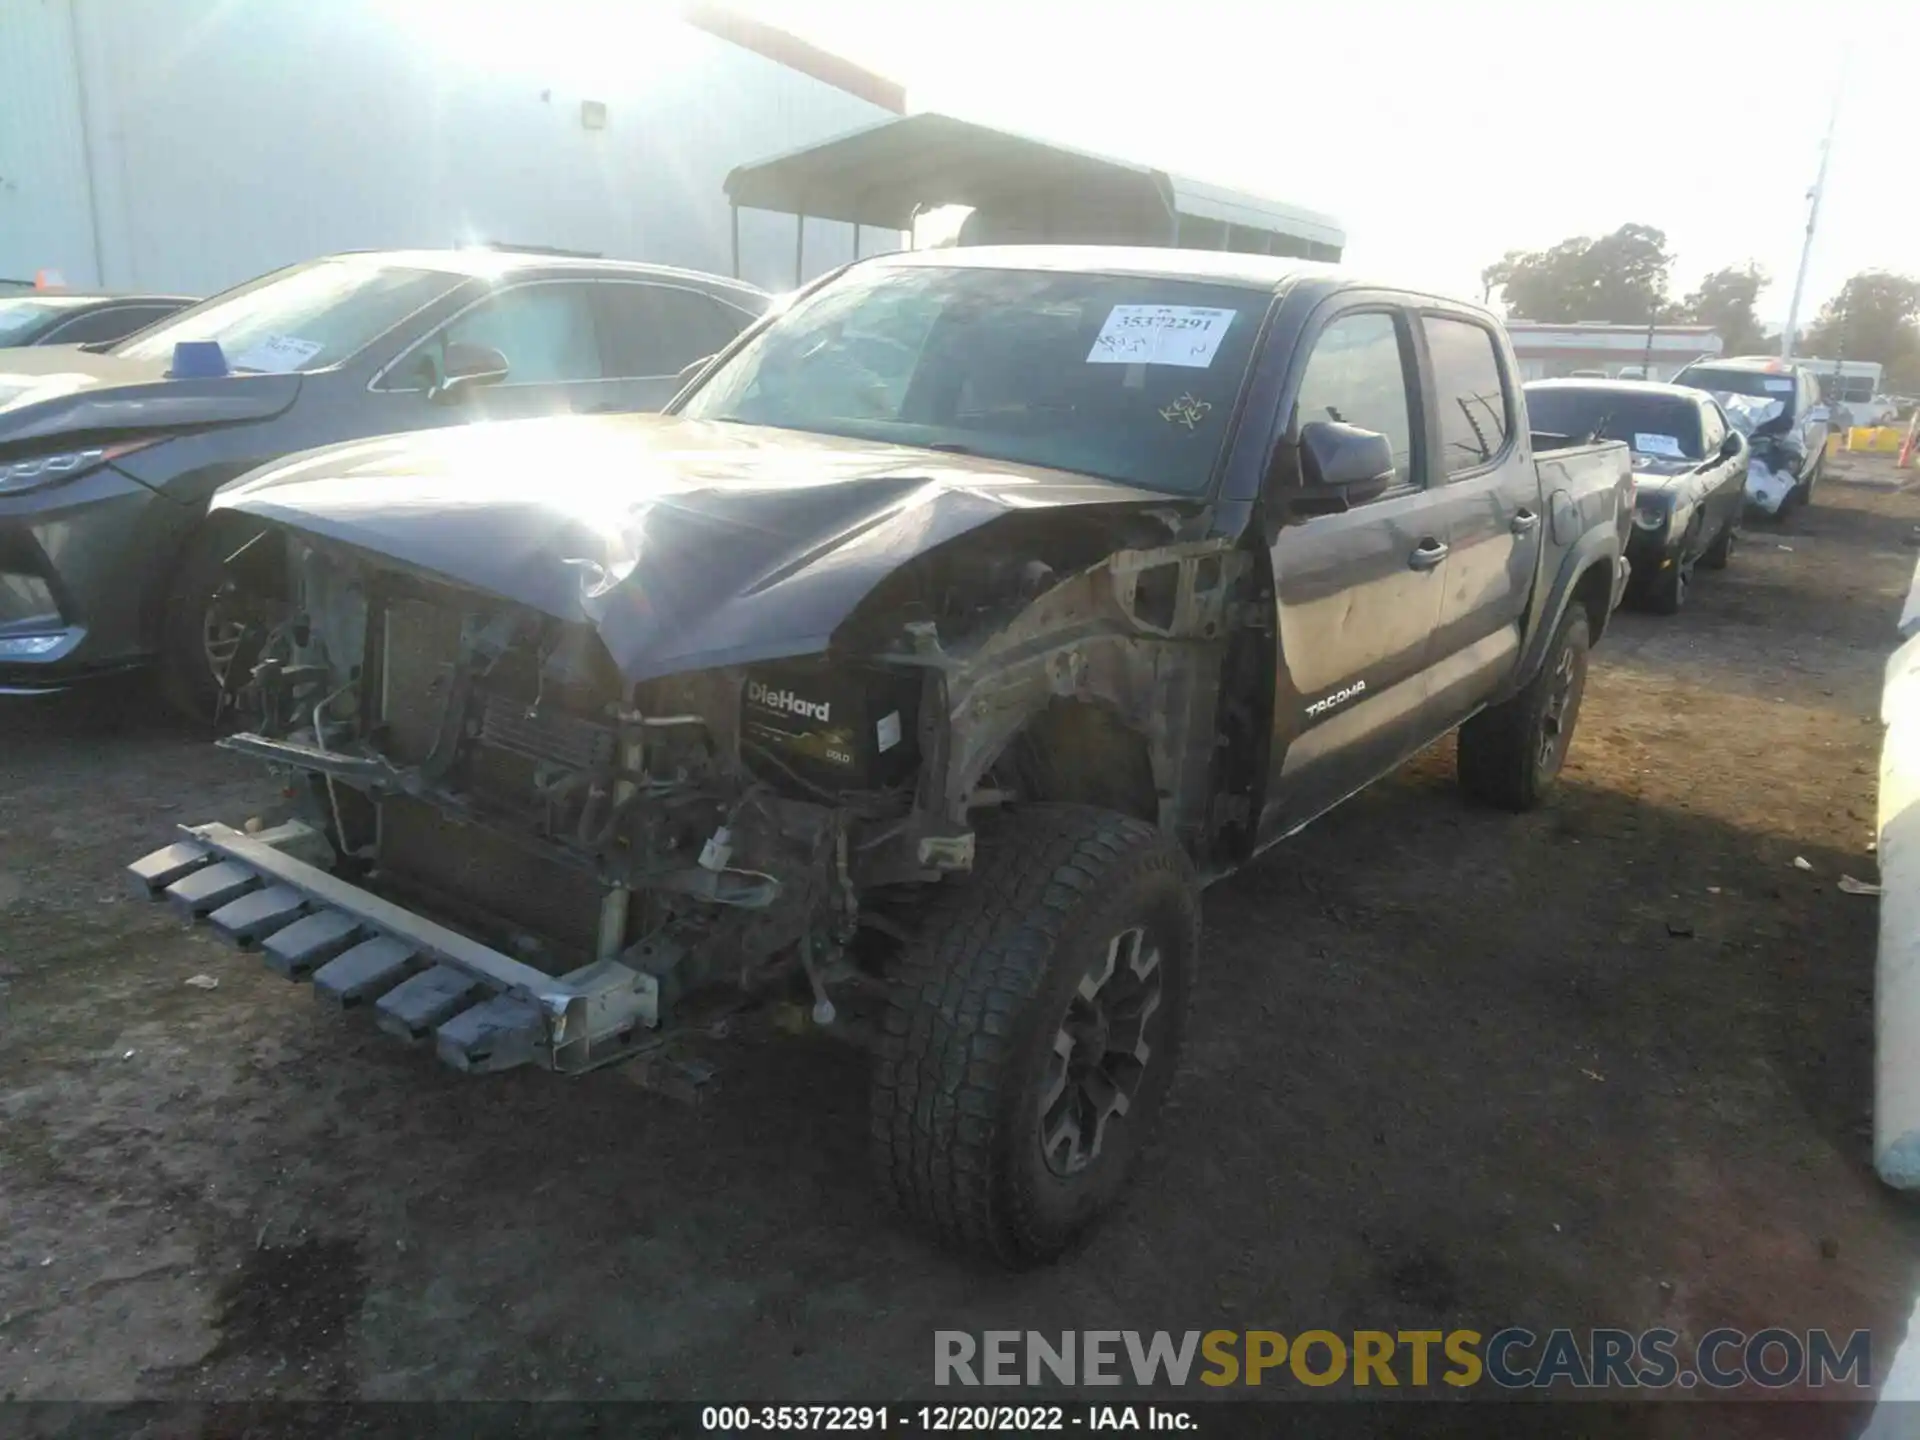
(1725, 300)
(1620, 278)
(1876, 316)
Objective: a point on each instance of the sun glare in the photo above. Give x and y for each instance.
(575, 44)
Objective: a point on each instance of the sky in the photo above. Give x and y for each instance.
(1444, 134)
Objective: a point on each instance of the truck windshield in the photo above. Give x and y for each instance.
(301, 319)
(1662, 426)
(1129, 378)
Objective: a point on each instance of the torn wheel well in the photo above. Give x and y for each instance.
(1594, 589)
(1076, 752)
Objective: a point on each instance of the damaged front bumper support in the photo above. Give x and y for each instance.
(484, 1010)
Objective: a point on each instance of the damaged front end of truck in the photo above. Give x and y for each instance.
(581, 764)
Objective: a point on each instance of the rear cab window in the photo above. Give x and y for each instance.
(1470, 391)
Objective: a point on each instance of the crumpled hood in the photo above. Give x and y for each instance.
(686, 544)
(51, 390)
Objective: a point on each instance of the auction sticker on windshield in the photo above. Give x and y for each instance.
(1658, 445)
(278, 354)
(1161, 335)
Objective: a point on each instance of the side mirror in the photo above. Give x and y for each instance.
(1341, 466)
(467, 366)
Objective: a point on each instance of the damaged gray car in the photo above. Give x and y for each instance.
(921, 663)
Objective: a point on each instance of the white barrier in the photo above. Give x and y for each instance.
(1910, 612)
(1896, 989)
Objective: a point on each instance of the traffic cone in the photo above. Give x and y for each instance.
(1905, 462)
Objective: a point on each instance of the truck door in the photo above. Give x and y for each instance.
(1358, 592)
(1489, 494)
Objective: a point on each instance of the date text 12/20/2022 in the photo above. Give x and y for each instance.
(945, 1419)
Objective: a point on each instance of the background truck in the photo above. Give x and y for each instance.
(951, 629)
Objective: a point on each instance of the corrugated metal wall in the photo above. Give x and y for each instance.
(230, 139)
(45, 215)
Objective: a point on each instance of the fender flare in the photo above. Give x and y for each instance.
(1597, 547)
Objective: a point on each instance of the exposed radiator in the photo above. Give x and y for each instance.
(545, 734)
(420, 645)
(494, 879)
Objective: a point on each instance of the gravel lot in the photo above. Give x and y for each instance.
(1608, 1064)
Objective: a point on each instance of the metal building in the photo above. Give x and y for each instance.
(1589, 347)
(185, 145)
(1020, 190)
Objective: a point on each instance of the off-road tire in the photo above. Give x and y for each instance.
(1502, 759)
(977, 1005)
(1721, 551)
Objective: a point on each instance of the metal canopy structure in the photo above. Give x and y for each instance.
(1021, 190)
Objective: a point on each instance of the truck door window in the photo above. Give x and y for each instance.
(1470, 392)
(1357, 375)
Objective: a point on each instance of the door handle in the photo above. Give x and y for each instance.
(1429, 554)
(1524, 522)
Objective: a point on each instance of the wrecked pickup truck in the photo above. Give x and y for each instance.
(921, 662)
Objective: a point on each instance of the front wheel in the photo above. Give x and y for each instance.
(1033, 1030)
(1510, 754)
(1721, 551)
(205, 625)
(197, 641)
(1667, 592)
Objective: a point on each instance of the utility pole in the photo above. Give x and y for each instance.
(1789, 334)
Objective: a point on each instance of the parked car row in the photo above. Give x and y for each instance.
(110, 453)
(1726, 437)
(956, 623)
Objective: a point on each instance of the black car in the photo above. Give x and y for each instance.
(1792, 443)
(108, 459)
(1689, 473)
(65, 317)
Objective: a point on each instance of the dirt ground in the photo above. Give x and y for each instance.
(1608, 1064)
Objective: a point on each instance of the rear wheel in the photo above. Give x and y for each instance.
(1510, 754)
(1033, 1030)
